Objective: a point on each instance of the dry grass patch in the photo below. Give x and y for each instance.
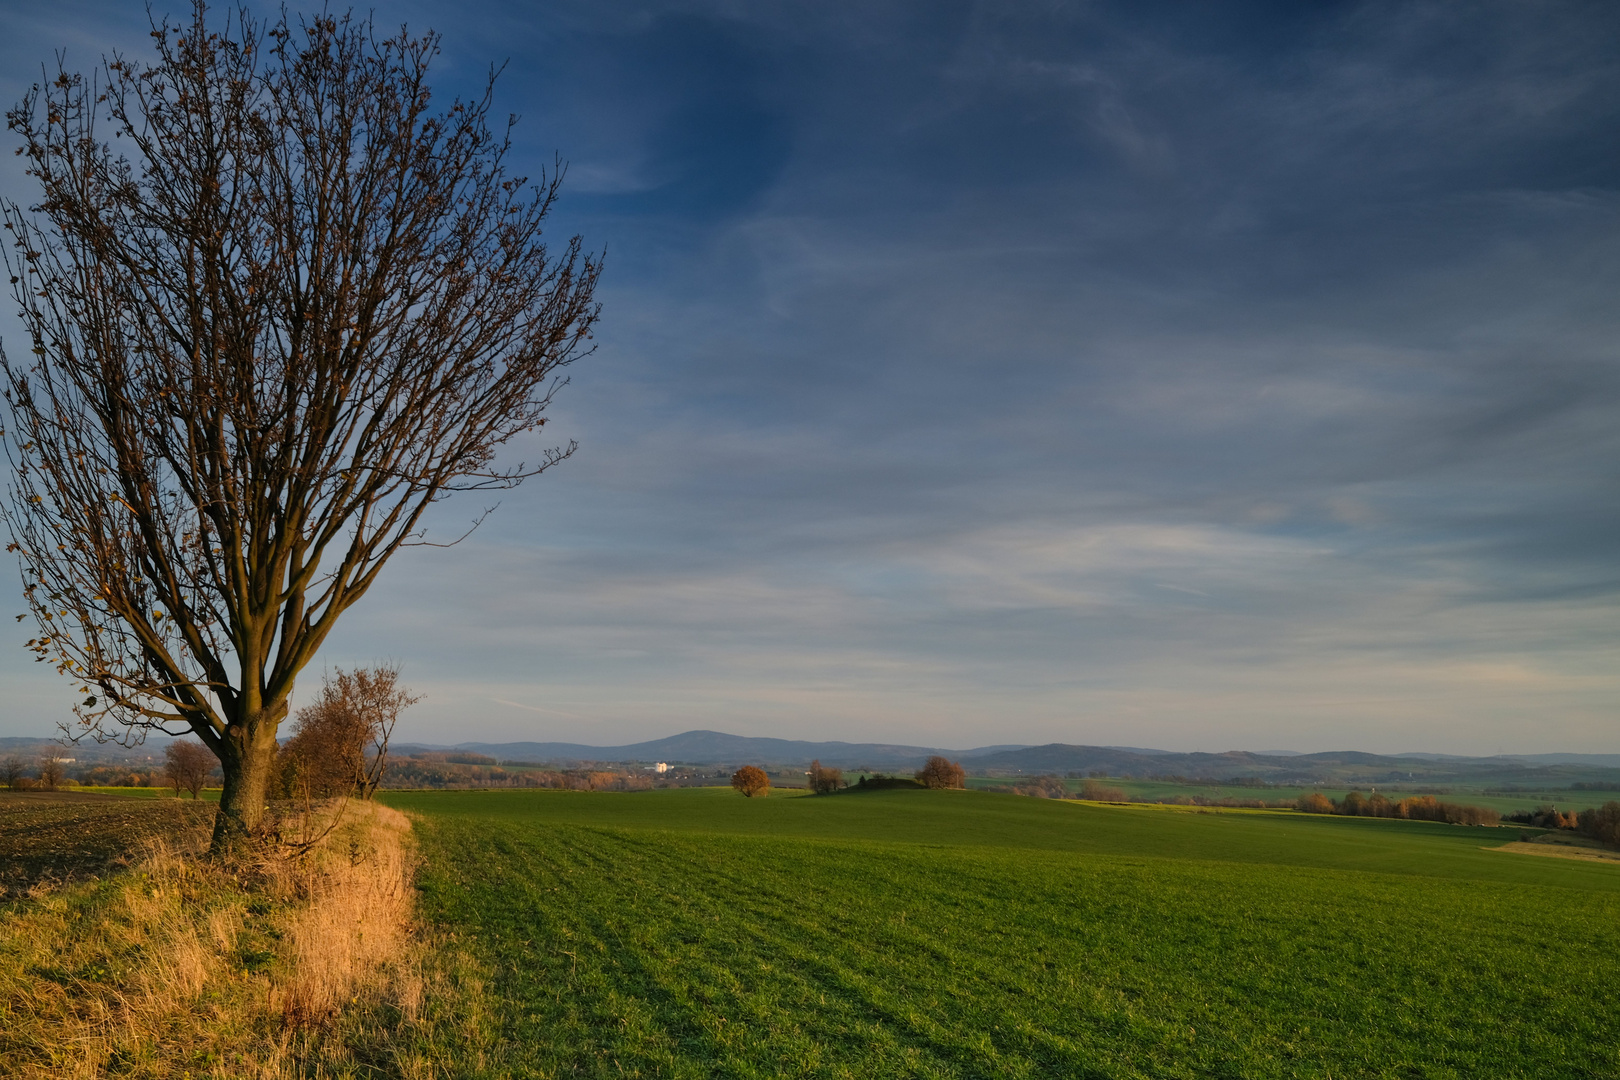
(1562, 845)
(182, 967)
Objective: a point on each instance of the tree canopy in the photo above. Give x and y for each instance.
(287, 307)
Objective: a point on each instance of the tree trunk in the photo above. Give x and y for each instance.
(247, 755)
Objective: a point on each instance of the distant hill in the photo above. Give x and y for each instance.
(1339, 766)
(718, 749)
(85, 751)
(1610, 760)
(1599, 760)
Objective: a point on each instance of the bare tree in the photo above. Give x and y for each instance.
(289, 309)
(340, 742)
(51, 771)
(14, 772)
(186, 764)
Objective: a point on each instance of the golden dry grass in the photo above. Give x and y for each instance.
(1563, 846)
(182, 967)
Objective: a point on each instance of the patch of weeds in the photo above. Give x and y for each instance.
(254, 961)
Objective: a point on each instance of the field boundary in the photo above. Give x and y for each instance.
(1565, 850)
(181, 966)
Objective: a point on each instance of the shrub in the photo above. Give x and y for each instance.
(1550, 817)
(751, 781)
(1042, 787)
(825, 781)
(1098, 793)
(340, 742)
(1602, 824)
(51, 771)
(1428, 808)
(1315, 803)
(880, 782)
(938, 772)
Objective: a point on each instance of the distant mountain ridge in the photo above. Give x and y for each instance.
(719, 748)
(716, 748)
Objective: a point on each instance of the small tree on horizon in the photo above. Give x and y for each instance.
(1601, 823)
(186, 764)
(51, 771)
(14, 772)
(1093, 791)
(752, 781)
(824, 781)
(1315, 803)
(941, 772)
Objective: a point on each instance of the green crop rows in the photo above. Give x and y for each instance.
(908, 933)
(1472, 794)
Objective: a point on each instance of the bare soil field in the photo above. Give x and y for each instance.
(64, 836)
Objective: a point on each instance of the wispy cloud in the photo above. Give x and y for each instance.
(1031, 372)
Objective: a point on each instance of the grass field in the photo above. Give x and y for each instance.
(911, 933)
(1473, 796)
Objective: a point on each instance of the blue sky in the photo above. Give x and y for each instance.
(1183, 375)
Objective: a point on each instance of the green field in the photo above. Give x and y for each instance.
(1564, 799)
(939, 934)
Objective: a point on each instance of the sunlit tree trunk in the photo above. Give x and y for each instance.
(247, 756)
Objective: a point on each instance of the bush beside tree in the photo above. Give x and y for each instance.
(340, 742)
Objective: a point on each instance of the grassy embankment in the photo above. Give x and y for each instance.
(696, 933)
(1471, 794)
(123, 954)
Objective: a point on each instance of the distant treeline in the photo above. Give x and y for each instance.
(1355, 804)
(1053, 787)
(1601, 824)
(1211, 781)
(454, 771)
(1413, 808)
